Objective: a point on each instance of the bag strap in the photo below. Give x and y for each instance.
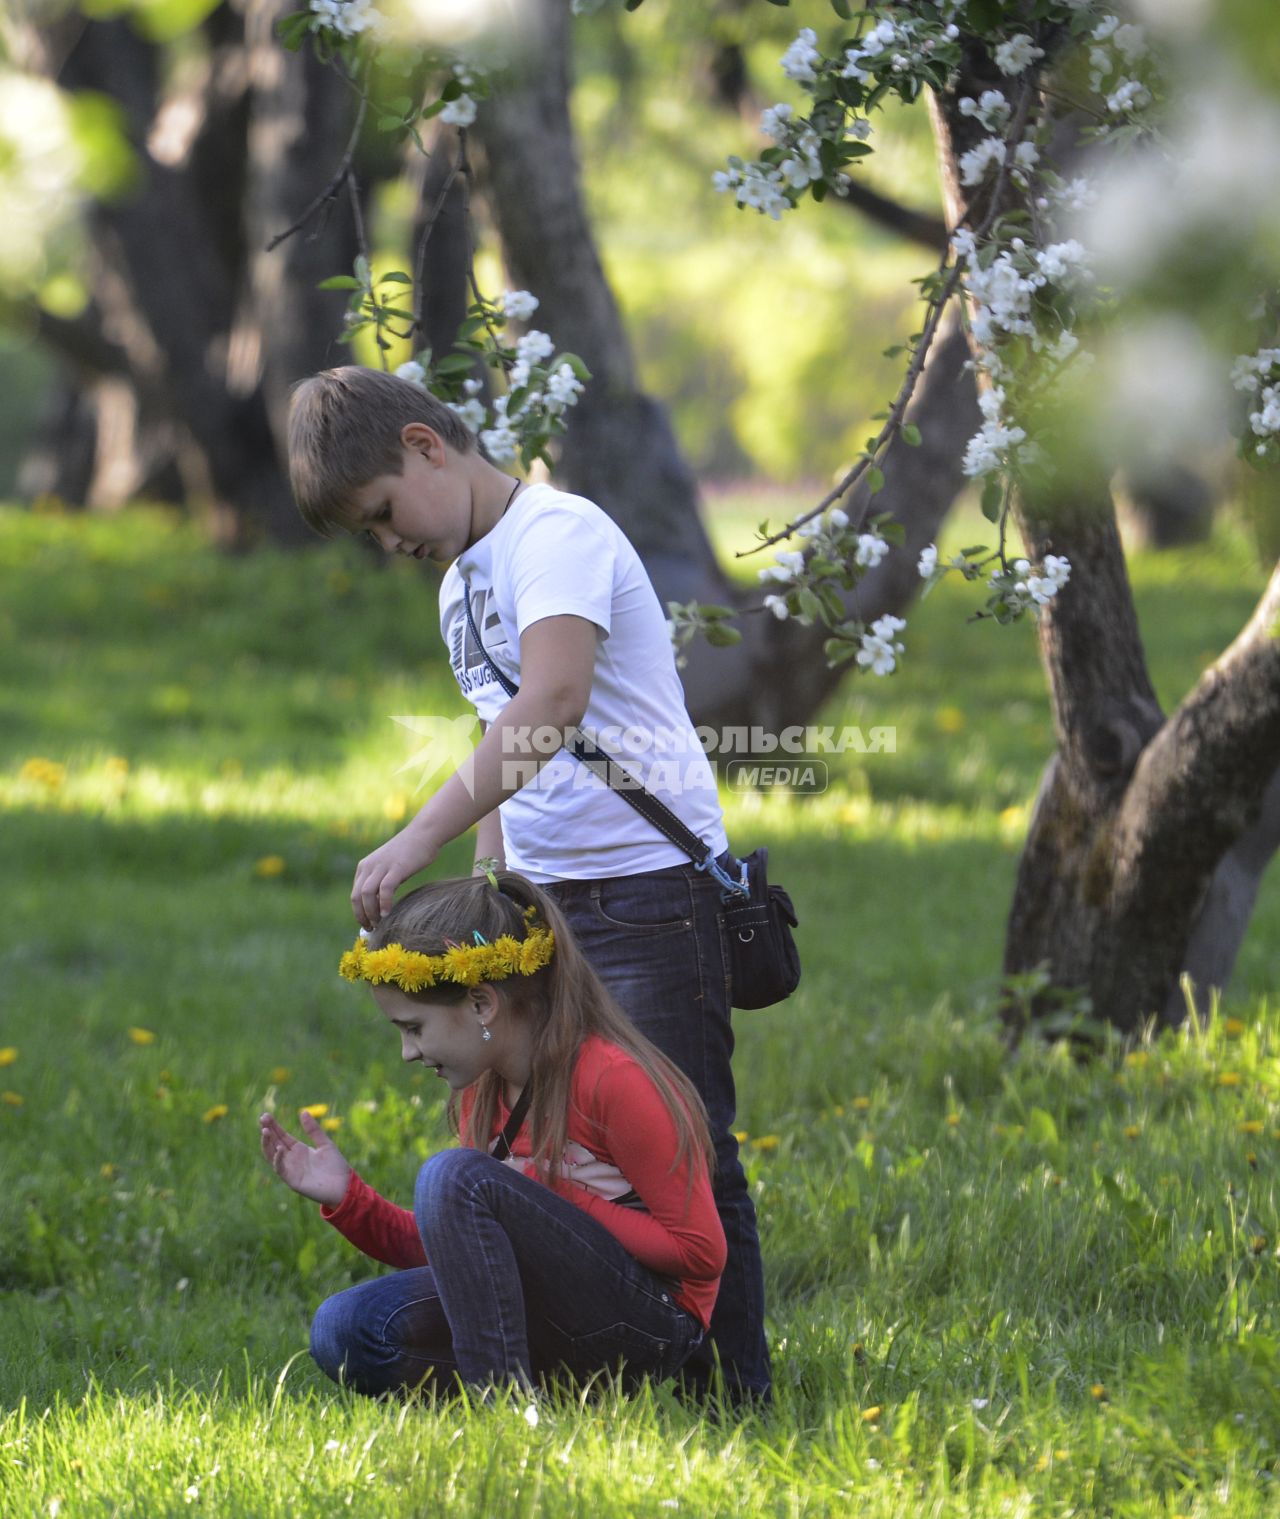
(627, 786)
(501, 1146)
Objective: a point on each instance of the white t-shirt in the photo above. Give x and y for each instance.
(552, 555)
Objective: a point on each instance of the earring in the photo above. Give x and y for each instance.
(485, 1034)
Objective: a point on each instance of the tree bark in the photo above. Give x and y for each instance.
(1127, 867)
(621, 450)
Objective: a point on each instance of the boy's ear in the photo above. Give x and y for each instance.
(423, 440)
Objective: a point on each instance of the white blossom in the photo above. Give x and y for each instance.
(1061, 262)
(1247, 370)
(1266, 420)
(778, 606)
(1057, 568)
(838, 518)
(460, 112)
(519, 304)
(413, 372)
(879, 651)
(472, 412)
(1016, 54)
(1077, 194)
(533, 347)
(991, 109)
(563, 387)
(500, 442)
(985, 451)
(928, 561)
(1131, 40)
(773, 121)
(347, 17)
(801, 59)
(804, 165)
(1128, 95)
(871, 550)
(975, 164)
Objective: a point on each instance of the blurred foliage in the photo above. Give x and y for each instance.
(763, 338)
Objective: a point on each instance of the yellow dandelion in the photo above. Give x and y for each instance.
(870, 1415)
(1061, 1455)
(1251, 1160)
(142, 1036)
(106, 1170)
(116, 765)
(1132, 1131)
(1228, 1078)
(741, 1136)
(950, 720)
(316, 1109)
(1251, 1126)
(1233, 1027)
(44, 772)
(395, 807)
(12, 1099)
(269, 866)
(331, 1125)
(861, 1104)
(1099, 1392)
(1137, 1057)
(1258, 1243)
(766, 1142)
(838, 1110)
(280, 1073)
(953, 1119)
(218, 1110)
(8, 1055)
(859, 1351)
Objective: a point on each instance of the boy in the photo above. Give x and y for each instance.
(564, 608)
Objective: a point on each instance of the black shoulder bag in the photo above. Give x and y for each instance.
(756, 919)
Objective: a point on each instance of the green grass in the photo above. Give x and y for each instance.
(997, 1284)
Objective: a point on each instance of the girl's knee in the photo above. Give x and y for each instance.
(332, 1335)
(447, 1176)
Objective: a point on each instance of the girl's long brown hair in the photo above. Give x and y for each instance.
(565, 1001)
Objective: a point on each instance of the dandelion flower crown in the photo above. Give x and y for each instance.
(465, 964)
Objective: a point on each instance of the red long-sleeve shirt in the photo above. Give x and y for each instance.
(621, 1139)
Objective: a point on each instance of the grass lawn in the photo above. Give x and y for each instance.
(998, 1285)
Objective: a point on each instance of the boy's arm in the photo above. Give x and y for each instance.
(489, 845)
(557, 663)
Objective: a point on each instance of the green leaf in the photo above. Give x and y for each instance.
(992, 499)
(580, 370)
(634, 5)
(818, 189)
(433, 110)
(839, 652)
(340, 282)
(362, 269)
(875, 479)
(783, 3)
(399, 104)
(396, 277)
(456, 363)
(451, 91)
(711, 611)
(720, 636)
(911, 435)
(842, 9)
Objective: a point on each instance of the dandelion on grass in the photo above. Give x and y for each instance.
(1233, 1027)
(861, 1104)
(141, 1036)
(1099, 1393)
(1258, 1244)
(766, 1142)
(107, 1171)
(217, 1111)
(8, 1055)
(952, 1120)
(45, 772)
(316, 1109)
(1137, 1058)
(269, 867)
(1131, 1131)
(1228, 1078)
(279, 1074)
(12, 1099)
(870, 1415)
(331, 1125)
(1251, 1126)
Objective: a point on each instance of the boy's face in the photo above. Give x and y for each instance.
(425, 510)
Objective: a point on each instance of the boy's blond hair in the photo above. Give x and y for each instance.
(344, 431)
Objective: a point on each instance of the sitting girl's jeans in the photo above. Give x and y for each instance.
(522, 1284)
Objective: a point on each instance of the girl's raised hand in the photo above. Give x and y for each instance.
(318, 1170)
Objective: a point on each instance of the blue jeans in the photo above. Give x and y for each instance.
(522, 1285)
(655, 941)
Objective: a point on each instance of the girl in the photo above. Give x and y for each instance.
(577, 1238)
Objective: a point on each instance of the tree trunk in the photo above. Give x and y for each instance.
(1139, 844)
(194, 335)
(621, 451)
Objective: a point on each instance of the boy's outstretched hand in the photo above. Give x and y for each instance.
(321, 1173)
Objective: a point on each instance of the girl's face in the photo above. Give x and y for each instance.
(446, 1037)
